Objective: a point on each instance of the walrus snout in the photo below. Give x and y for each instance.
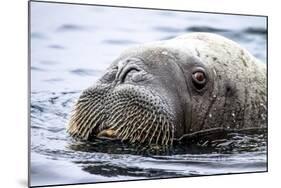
(124, 112)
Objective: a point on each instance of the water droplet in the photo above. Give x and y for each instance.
(165, 53)
(233, 115)
(210, 115)
(263, 116)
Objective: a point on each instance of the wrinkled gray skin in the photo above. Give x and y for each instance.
(149, 94)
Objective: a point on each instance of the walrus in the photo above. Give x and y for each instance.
(158, 92)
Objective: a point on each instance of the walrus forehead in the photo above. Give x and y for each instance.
(163, 49)
(149, 54)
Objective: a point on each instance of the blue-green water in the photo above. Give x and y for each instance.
(72, 45)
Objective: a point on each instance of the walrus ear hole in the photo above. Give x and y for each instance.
(199, 78)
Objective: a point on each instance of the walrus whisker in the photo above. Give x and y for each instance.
(163, 128)
(86, 103)
(81, 105)
(132, 114)
(168, 132)
(79, 113)
(113, 124)
(82, 113)
(124, 130)
(165, 132)
(126, 133)
(116, 117)
(97, 119)
(132, 126)
(91, 96)
(93, 117)
(90, 114)
(91, 125)
(154, 132)
(118, 107)
(159, 133)
(121, 127)
(146, 124)
(139, 127)
(94, 126)
(144, 138)
(127, 130)
(132, 135)
(173, 134)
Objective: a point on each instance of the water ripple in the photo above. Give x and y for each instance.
(85, 72)
(168, 29)
(37, 69)
(116, 41)
(70, 27)
(255, 30)
(38, 35)
(56, 46)
(205, 29)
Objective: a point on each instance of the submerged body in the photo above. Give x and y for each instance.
(158, 92)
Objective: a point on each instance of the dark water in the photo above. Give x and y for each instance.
(71, 46)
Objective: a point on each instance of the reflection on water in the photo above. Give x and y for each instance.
(71, 46)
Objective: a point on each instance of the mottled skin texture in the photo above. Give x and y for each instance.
(148, 94)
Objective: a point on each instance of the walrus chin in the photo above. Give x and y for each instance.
(124, 112)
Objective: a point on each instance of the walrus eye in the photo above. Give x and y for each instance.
(199, 78)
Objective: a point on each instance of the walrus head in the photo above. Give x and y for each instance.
(162, 91)
(142, 98)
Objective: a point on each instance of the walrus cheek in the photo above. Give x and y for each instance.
(177, 108)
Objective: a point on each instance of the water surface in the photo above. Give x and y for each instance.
(72, 45)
